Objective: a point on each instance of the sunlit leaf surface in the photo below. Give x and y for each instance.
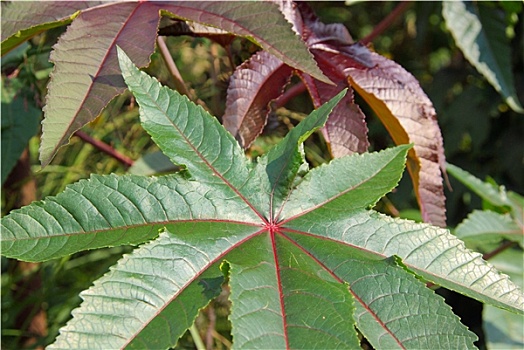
(309, 260)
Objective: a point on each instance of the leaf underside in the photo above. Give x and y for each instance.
(253, 85)
(23, 20)
(409, 116)
(292, 238)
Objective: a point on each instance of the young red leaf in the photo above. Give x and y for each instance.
(408, 114)
(23, 20)
(86, 75)
(396, 97)
(253, 85)
(346, 130)
(259, 21)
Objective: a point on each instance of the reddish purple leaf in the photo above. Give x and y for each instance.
(253, 85)
(260, 21)
(408, 114)
(23, 20)
(86, 74)
(174, 27)
(396, 97)
(345, 130)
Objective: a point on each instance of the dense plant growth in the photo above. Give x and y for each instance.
(269, 231)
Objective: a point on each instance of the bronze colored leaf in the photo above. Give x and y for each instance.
(408, 114)
(345, 130)
(253, 85)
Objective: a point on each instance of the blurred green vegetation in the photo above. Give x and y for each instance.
(481, 134)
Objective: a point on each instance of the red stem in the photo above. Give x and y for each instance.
(386, 22)
(105, 148)
(499, 250)
(293, 91)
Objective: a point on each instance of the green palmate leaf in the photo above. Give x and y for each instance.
(489, 226)
(308, 260)
(281, 168)
(480, 32)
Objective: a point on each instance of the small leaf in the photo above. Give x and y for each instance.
(480, 32)
(253, 85)
(489, 226)
(277, 171)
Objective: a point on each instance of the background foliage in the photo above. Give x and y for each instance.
(481, 134)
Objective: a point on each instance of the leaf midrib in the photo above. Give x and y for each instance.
(130, 227)
(199, 154)
(332, 198)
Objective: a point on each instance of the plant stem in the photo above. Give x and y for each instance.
(386, 22)
(196, 338)
(293, 91)
(498, 250)
(105, 148)
(212, 317)
(180, 85)
(171, 66)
